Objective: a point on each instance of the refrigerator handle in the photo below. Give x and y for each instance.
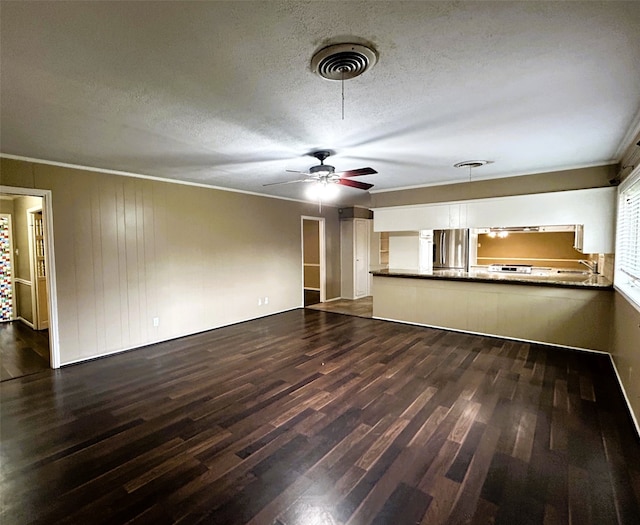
(441, 254)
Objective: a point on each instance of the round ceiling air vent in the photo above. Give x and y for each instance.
(470, 163)
(343, 61)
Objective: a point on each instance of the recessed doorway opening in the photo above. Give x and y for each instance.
(28, 327)
(313, 260)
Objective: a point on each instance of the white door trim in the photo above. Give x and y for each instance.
(54, 333)
(323, 261)
(31, 236)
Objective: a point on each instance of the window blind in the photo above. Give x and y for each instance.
(628, 238)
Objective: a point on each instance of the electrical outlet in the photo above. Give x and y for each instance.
(266, 300)
(260, 301)
(156, 322)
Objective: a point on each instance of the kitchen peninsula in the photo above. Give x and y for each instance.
(568, 309)
(557, 234)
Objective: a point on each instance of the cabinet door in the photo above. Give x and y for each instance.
(414, 218)
(592, 207)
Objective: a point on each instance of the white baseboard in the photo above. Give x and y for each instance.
(23, 320)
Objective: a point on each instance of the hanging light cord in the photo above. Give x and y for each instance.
(342, 82)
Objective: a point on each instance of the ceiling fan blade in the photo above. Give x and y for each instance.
(354, 184)
(288, 182)
(296, 171)
(357, 173)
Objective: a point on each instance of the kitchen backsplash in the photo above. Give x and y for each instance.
(546, 249)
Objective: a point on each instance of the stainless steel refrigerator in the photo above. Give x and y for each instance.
(451, 249)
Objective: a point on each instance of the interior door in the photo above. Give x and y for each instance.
(361, 269)
(38, 270)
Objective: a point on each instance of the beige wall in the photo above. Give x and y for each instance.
(625, 340)
(130, 249)
(6, 206)
(23, 302)
(595, 177)
(625, 348)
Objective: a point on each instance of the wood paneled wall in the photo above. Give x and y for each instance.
(625, 347)
(129, 250)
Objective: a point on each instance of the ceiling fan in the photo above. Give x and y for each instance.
(326, 174)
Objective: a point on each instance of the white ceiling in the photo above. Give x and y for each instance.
(221, 93)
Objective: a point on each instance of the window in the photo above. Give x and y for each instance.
(627, 277)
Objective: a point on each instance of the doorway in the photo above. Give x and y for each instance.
(38, 268)
(7, 286)
(28, 335)
(313, 261)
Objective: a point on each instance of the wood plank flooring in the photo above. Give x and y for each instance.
(310, 417)
(361, 307)
(23, 351)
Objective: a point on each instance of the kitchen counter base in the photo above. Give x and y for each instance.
(578, 318)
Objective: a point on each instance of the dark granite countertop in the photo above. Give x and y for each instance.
(545, 277)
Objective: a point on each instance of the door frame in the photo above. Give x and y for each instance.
(323, 257)
(49, 257)
(35, 288)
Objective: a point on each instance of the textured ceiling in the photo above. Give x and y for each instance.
(221, 93)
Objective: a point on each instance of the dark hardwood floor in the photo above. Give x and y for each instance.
(310, 417)
(361, 307)
(23, 351)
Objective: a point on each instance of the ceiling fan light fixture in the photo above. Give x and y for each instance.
(325, 175)
(322, 191)
(323, 169)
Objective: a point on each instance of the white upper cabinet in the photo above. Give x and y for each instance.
(411, 218)
(457, 216)
(594, 208)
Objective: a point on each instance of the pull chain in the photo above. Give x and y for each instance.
(342, 82)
